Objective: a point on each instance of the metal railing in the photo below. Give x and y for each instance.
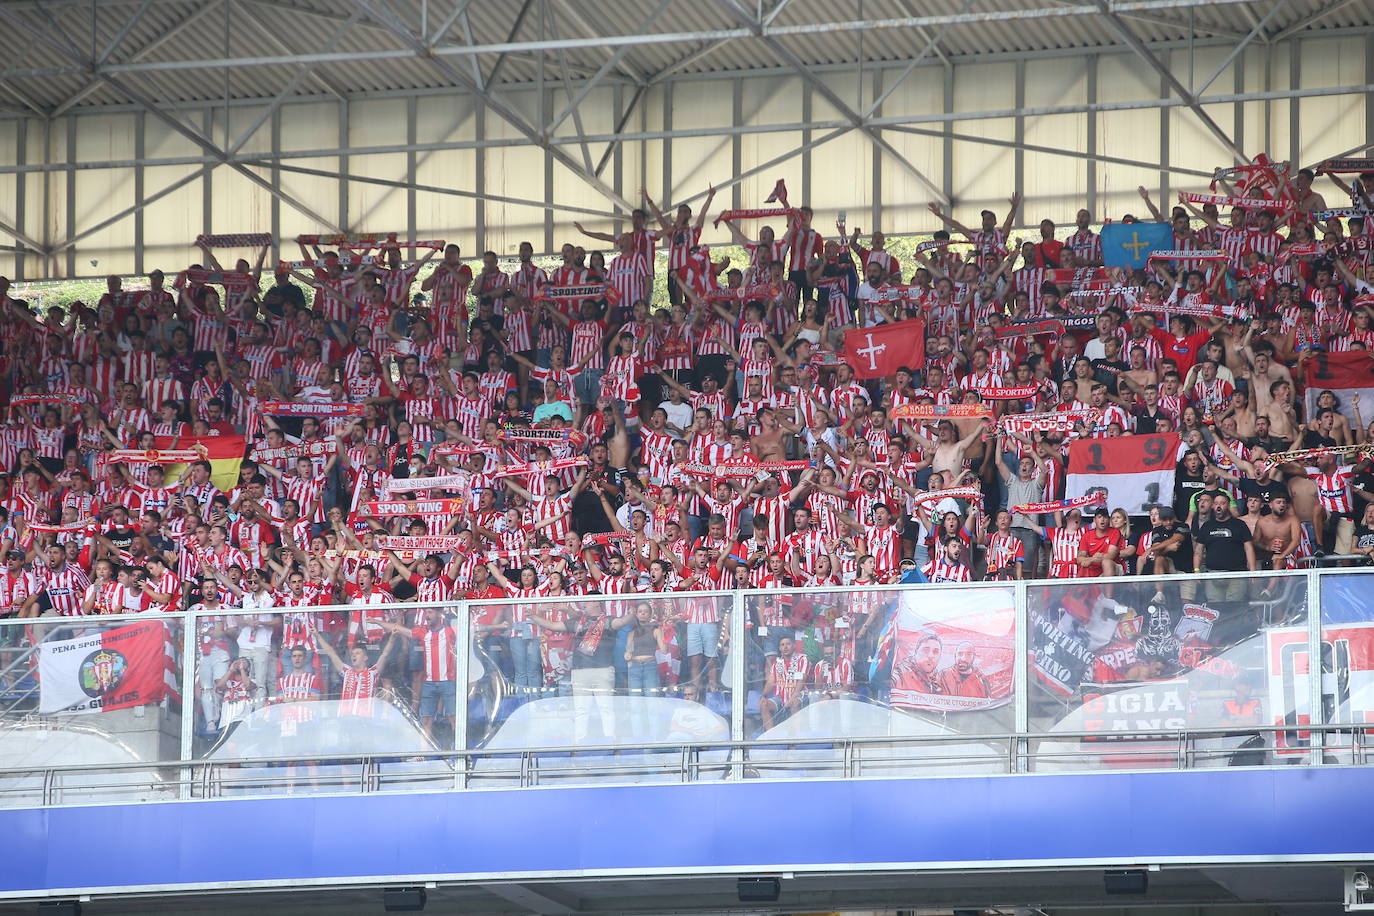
(1012, 742)
(839, 758)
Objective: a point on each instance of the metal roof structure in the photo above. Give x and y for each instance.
(86, 53)
(163, 59)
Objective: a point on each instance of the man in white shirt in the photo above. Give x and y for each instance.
(679, 413)
(255, 630)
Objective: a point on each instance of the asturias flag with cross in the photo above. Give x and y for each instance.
(879, 351)
(1130, 244)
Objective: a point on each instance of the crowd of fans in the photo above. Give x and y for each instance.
(589, 439)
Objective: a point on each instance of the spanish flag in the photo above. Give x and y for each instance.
(225, 454)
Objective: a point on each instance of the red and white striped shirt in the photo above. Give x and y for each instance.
(1086, 246)
(65, 588)
(586, 344)
(1266, 243)
(629, 275)
(680, 244)
(299, 685)
(440, 648)
(803, 244)
(158, 391)
(306, 491)
(139, 365)
(941, 569)
(1004, 550)
(527, 280)
(884, 544)
(359, 687)
(1333, 490)
(1064, 552)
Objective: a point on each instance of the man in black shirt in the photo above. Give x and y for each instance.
(1266, 489)
(1262, 438)
(1320, 436)
(1107, 369)
(1188, 479)
(283, 292)
(1226, 543)
(1171, 546)
(1201, 508)
(588, 516)
(592, 663)
(1362, 486)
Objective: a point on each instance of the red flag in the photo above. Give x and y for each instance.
(115, 669)
(1345, 374)
(880, 351)
(1135, 473)
(779, 193)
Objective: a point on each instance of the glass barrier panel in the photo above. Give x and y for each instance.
(597, 671)
(323, 685)
(1347, 663)
(926, 661)
(89, 692)
(1166, 656)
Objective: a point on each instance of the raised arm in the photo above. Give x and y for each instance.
(1145, 196)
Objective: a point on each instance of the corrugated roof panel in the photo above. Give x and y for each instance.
(281, 27)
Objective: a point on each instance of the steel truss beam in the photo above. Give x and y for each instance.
(94, 84)
(319, 79)
(1135, 44)
(1318, 16)
(450, 192)
(495, 104)
(855, 120)
(28, 241)
(514, 33)
(301, 73)
(682, 133)
(616, 41)
(221, 156)
(595, 81)
(1242, 45)
(884, 66)
(1048, 150)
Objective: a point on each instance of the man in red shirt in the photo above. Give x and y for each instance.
(439, 646)
(1098, 548)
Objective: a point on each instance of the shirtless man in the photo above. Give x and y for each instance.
(1263, 373)
(948, 451)
(770, 442)
(1138, 377)
(1240, 410)
(1277, 534)
(1283, 419)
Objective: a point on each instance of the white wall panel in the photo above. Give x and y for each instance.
(376, 208)
(841, 170)
(1057, 184)
(769, 100)
(514, 172)
(983, 174)
(319, 192)
(1331, 124)
(171, 224)
(904, 198)
(238, 205)
(842, 179)
(9, 188)
(1132, 134)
